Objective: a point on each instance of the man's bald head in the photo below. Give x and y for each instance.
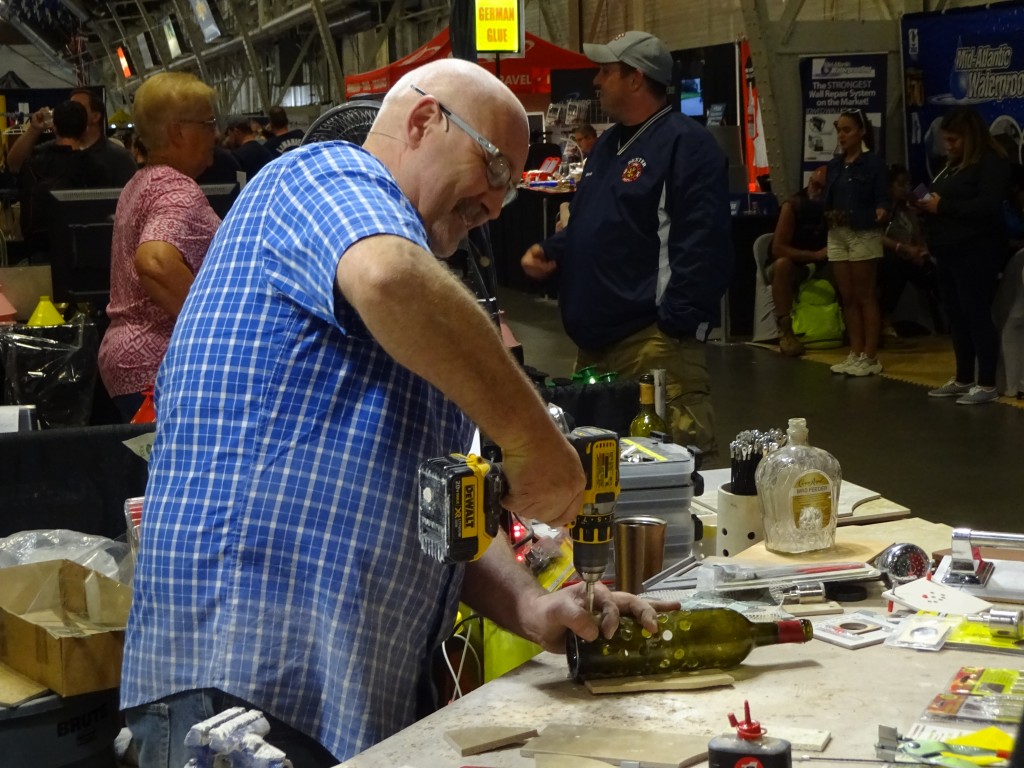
(421, 135)
(465, 88)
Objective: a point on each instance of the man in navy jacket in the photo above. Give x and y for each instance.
(647, 254)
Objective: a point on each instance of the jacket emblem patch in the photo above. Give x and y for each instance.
(634, 168)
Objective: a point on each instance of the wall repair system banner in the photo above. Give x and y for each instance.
(833, 84)
(972, 57)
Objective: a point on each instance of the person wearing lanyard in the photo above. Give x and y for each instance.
(648, 254)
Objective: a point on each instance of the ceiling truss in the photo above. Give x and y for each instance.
(266, 49)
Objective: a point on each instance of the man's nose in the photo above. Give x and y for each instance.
(490, 207)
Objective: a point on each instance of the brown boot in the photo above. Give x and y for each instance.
(789, 344)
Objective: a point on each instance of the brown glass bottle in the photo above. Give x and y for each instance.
(708, 638)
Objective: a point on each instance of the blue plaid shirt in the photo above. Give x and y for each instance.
(279, 559)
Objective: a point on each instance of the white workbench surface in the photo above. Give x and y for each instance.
(816, 685)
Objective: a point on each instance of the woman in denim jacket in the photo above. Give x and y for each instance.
(856, 205)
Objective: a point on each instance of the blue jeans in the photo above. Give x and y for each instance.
(159, 730)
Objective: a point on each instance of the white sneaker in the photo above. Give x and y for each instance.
(841, 367)
(951, 388)
(977, 396)
(864, 366)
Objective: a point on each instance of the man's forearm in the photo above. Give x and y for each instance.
(21, 150)
(500, 587)
(429, 323)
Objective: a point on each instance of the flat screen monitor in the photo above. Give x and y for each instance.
(691, 98)
(81, 229)
(221, 197)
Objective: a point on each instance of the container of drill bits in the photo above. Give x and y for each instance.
(746, 452)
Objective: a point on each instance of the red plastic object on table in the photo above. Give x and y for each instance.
(147, 411)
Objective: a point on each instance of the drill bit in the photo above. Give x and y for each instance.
(590, 596)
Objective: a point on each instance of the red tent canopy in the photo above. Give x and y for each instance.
(531, 74)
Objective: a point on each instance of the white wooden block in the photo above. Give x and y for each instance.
(802, 739)
(484, 738)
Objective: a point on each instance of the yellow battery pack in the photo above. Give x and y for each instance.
(460, 507)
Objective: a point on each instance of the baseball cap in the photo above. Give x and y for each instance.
(640, 50)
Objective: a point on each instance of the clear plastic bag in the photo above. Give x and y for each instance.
(111, 558)
(53, 368)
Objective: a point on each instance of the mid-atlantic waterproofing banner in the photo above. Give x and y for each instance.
(971, 56)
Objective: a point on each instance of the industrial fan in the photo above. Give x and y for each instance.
(346, 122)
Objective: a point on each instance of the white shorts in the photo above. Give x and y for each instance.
(845, 244)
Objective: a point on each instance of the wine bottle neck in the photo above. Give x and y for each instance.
(787, 631)
(647, 394)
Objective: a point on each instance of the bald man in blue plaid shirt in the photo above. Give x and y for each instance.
(322, 354)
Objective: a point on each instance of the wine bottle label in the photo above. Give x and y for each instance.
(810, 501)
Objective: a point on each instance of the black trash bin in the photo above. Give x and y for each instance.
(55, 732)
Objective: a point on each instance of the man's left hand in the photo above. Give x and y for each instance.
(566, 609)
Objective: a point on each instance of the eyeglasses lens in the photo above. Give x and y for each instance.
(499, 175)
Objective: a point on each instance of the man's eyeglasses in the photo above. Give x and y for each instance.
(499, 172)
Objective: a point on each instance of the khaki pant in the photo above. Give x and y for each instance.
(687, 382)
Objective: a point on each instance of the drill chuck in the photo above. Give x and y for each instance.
(591, 532)
(591, 536)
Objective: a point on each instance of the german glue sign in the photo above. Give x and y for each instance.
(499, 26)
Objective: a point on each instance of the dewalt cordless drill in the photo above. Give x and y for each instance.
(460, 505)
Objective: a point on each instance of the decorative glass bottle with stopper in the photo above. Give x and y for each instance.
(798, 486)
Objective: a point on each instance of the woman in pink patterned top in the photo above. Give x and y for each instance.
(162, 228)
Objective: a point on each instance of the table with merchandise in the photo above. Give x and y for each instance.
(828, 699)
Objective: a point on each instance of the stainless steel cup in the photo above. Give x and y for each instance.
(639, 551)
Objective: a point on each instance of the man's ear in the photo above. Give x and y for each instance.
(424, 116)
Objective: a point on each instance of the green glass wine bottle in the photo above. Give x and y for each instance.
(647, 420)
(707, 638)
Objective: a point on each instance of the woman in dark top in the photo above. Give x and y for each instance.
(906, 258)
(966, 234)
(856, 205)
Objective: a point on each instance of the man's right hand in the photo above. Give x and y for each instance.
(536, 265)
(20, 151)
(39, 118)
(545, 480)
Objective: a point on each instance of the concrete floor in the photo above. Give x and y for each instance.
(949, 464)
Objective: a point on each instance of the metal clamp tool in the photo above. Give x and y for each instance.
(967, 566)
